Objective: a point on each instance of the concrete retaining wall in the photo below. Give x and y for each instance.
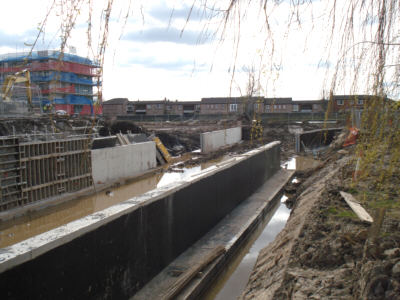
(309, 140)
(111, 164)
(113, 253)
(211, 141)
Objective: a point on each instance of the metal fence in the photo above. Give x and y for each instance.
(266, 117)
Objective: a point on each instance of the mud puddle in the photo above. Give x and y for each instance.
(33, 223)
(234, 279)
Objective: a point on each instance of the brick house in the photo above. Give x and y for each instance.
(191, 108)
(307, 106)
(230, 105)
(154, 108)
(211, 106)
(173, 108)
(115, 107)
(344, 103)
(277, 105)
(162, 107)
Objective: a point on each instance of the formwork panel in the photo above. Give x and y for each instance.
(34, 171)
(10, 173)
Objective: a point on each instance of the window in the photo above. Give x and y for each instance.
(267, 107)
(169, 107)
(284, 106)
(232, 107)
(275, 106)
(129, 109)
(340, 102)
(360, 102)
(295, 107)
(78, 108)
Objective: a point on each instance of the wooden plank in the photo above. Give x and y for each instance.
(186, 277)
(127, 142)
(356, 207)
(121, 139)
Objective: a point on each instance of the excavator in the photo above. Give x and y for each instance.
(23, 76)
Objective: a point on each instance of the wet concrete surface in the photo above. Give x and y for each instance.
(36, 222)
(232, 283)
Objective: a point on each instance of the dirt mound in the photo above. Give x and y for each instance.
(325, 251)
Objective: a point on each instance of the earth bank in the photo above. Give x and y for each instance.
(325, 251)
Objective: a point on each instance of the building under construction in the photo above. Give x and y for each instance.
(62, 81)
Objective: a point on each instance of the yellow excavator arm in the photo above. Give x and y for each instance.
(22, 76)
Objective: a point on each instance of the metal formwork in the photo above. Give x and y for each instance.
(10, 174)
(44, 169)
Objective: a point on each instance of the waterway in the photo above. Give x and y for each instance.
(36, 222)
(233, 280)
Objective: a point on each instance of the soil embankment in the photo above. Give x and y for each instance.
(325, 251)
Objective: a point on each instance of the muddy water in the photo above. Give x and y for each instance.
(40, 221)
(234, 279)
(37, 222)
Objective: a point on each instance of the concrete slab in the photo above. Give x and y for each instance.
(214, 140)
(116, 163)
(231, 232)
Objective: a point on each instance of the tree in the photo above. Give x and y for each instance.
(357, 42)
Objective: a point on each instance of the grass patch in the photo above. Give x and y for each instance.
(340, 212)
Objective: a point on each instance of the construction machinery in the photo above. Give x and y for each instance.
(23, 76)
(256, 131)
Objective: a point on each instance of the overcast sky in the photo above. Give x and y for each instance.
(148, 58)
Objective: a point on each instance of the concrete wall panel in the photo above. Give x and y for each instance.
(113, 253)
(111, 164)
(214, 140)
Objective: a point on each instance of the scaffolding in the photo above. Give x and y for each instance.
(64, 79)
(46, 55)
(61, 77)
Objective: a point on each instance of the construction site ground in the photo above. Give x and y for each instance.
(325, 251)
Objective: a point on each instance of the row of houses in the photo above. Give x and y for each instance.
(231, 105)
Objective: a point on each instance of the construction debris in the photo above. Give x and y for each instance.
(162, 150)
(186, 277)
(356, 207)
